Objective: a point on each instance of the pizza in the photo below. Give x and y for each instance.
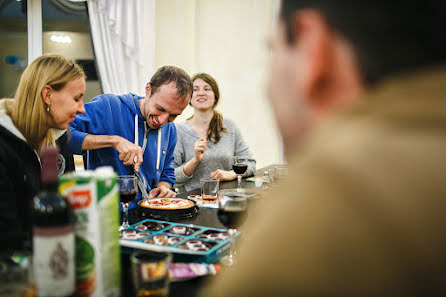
(167, 203)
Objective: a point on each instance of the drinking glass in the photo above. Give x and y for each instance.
(150, 272)
(232, 212)
(16, 274)
(209, 188)
(239, 165)
(127, 192)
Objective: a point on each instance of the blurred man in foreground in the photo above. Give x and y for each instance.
(362, 211)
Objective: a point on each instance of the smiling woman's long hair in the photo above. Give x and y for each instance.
(28, 111)
(216, 124)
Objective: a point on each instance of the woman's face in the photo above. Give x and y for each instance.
(66, 103)
(203, 97)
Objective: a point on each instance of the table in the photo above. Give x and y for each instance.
(205, 217)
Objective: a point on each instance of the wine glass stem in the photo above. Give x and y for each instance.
(125, 209)
(232, 251)
(239, 181)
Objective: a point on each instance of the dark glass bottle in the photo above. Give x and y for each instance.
(53, 234)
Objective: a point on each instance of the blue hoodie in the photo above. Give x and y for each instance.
(110, 114)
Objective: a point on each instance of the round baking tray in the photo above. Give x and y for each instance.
(168, 214)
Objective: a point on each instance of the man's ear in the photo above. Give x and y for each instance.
(148, 90)
(46, 94)
(315, 42)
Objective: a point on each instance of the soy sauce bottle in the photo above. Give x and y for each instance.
(53, 234)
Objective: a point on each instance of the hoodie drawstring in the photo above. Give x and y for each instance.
(144, 144)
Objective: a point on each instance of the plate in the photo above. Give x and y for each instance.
(248, 193)
(203, 203)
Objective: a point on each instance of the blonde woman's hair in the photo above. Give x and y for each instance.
(28, 111)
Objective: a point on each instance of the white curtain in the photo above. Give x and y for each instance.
(116, 29)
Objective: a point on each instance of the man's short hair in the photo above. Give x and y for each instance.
(168, 74)
(387, 36)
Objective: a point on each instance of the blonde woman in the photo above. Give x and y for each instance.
(207, 142)
(48, 97)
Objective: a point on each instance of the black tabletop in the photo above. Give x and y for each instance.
(205, 217)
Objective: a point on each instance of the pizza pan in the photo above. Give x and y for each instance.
(168, 214)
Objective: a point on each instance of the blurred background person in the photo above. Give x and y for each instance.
(207, 142)
(48, 97)
(362, 211)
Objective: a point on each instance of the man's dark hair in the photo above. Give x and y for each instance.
(168, 74)
(387, 36)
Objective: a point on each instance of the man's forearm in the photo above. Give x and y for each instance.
(163, 183)
(92, 142)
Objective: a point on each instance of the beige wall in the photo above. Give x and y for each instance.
(226, 39)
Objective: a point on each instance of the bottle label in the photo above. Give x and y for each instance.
(53, 260)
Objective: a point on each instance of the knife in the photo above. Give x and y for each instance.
(141, 186)
(140, 182)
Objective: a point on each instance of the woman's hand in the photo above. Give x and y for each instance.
(224, 175)
(199, 147)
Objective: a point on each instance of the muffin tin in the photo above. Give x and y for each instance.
(188, 243)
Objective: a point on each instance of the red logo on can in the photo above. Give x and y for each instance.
(79, 199)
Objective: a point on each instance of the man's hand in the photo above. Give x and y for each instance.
(127, 152)
(199, 147)
(224, 175)
(162, 191)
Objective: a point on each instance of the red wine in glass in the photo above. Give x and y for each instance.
(239, 168)
(232, 212)
(127, 196)
(232, 217)
(239, 165)
(127, 192)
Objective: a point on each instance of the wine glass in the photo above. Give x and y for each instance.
(127, 192)
(232, 212)
(239, 165)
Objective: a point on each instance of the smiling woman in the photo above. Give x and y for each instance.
(207, 142)
(48, 97)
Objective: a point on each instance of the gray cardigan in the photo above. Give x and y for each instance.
(216, 156)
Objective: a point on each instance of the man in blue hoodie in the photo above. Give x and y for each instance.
(107, 131)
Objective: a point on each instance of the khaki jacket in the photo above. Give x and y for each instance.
(363, 210)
